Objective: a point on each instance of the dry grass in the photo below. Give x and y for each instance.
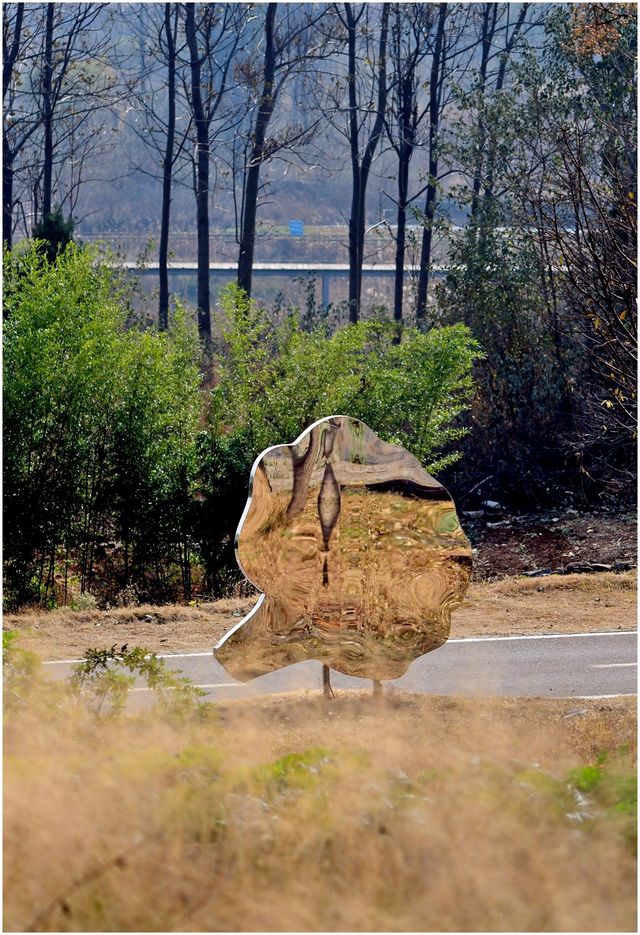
(66, 633)
(554, 604)
(291, 814)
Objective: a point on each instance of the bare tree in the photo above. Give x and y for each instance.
(21, 120)
(498, 38)
(161, 117)
(263, 116)
(495, 41)
(213, 37)
(168, 42)
(291, 45)
(431, 51)
(61, 87)
(356, 105)
(409, 46)
(77, 83)
(436, 87)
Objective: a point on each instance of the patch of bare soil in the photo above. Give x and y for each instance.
(554, 542)
(553, 604)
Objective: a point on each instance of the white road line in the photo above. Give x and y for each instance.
(458, 639)
(539, 636)
(596, 697)
(613, 665)
(213, 685)
(68, 662)
(180, 655)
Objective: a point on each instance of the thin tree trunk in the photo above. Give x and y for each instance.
(66, 566)
(167, 169)
(354, 220)
(435, 87)
(7, 196)
(327, 690)
(10, 56)
(50, 584)
(401, 237)
(360, 169)
(502, 71)
(404, 159)
(265, 112)
(97, 485)
(202, 178)
(488, 29)
(47, 113)
(355, 262)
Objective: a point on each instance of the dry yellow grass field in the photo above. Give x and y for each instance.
(294, 814)
(517, 605)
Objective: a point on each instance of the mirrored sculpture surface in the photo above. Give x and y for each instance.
(357, 550)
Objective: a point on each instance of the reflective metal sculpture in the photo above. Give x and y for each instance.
(357, 550)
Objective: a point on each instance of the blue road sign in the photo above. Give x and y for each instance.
(296, 228)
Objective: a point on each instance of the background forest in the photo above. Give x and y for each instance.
(495, 142)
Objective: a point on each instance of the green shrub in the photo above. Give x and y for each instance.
(101, 678)
(54, 233)
(275, 380)
(100, 424)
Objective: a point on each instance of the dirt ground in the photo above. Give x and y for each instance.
(551, 604)
(502, 600)
(553, 542)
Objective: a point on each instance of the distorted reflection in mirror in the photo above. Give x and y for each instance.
(358, 552)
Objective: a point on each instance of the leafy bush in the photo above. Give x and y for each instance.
(54, 233)
(100, 422)
(274, 380)
(99, 677)
(21, 671)
(113, 486)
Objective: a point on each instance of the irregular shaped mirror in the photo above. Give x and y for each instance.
(357, 550)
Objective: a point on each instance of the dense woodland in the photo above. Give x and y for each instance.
(504, 131)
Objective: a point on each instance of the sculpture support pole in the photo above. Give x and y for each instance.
(327, 690)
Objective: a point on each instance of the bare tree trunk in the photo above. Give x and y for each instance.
(354, 219)
(401, 237)
(405, 151)
(167, 169)
(7, 195)
(10, 55)
(360, 169)
(488, 29)
(202, 178)
(47, 113)
(502, 71)
(435, 87)
(265, 112)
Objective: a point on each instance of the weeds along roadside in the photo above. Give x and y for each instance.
(420, 814)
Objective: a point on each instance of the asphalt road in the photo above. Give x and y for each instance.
(556, 666)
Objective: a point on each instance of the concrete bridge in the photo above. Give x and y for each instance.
(323, 271)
